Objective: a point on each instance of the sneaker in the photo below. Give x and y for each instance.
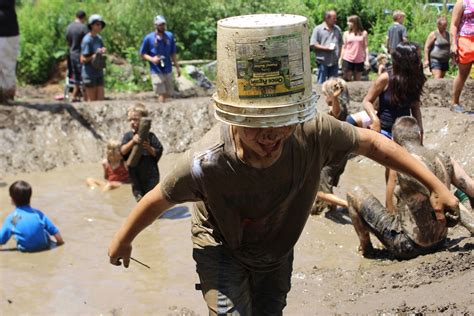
(457, 108)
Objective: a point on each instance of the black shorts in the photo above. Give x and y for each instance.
(357, 67)
(436, 64)
(75, 69)
(93, 82)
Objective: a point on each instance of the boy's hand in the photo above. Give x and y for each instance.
(375, 126)
(147, 147)
(444, 202)
(119, 251)
(136, 139)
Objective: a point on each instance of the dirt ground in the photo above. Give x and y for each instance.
(55, 146)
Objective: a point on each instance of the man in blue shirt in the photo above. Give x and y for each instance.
(159, 49)
(31, 228)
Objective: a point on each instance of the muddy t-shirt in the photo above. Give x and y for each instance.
(258, 213)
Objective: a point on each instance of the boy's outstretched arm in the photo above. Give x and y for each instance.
(388, 153)
(150, 207)
(59, 239)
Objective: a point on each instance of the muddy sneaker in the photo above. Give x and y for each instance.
(457, 108)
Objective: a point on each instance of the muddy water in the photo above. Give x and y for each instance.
(329, 276)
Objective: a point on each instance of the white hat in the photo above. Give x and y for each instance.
(159, 19)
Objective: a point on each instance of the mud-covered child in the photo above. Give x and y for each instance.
(30, 227)
(115, 171)
(145, 175)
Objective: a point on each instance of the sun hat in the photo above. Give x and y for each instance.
(159, 19)
(95, 18)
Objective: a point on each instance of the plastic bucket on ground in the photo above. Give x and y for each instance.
(263, 71)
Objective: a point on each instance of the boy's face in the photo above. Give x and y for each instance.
(265, 142)
(134, 120)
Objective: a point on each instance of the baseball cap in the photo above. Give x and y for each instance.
(159, 19)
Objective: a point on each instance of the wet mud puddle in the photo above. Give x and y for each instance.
(76, 279)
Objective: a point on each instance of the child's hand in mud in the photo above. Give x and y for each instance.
(118, 251)
(442, 202)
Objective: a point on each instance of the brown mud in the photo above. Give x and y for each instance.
(329, 276)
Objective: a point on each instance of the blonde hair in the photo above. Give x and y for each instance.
(113, 144)
(397, 14)
(381, 57)
(334, 84)
(139, 108)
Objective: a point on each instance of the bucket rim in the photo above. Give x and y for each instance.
(222, 22)
(313, 98)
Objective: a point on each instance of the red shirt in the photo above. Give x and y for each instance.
(119, 174)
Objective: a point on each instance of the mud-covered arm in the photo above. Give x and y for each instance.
(416, 112)
(388, 153)
(150, 207)
(390, 190)
(461, 179)
(375, 90)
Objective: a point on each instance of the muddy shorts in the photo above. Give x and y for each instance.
(162, 83)
(230, 288)
(385, 226)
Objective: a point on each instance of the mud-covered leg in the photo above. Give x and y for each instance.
(354, 199)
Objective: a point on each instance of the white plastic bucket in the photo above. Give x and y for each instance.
(263, 71)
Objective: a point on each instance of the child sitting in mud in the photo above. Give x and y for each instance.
(411, 227)
(31, 228)
(337, 98)
(115, 171)
(145, 175)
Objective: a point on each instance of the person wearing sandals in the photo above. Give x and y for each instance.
(92, 59)
(462, 46)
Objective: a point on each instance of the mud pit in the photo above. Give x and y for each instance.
(329, 276)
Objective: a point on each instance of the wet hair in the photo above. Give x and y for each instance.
(138, 108)
(20, 192)
(397, 14)
(357, 27)
(407, 80)
(80, 14)
(406, 130)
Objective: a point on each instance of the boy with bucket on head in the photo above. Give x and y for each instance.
(254, 177)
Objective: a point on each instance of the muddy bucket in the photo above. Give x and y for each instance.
(263, 71)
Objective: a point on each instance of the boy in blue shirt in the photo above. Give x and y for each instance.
(31, 228)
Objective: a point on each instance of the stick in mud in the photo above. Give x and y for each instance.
(145, 265)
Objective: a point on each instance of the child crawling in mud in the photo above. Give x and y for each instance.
(145, 175)
(31, 228)
(115, 171)
(337, 98)
(410, 227)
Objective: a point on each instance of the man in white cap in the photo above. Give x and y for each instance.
(254, 179)
(159, 49)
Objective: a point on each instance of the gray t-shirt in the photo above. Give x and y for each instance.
(396, 33)
(75, 32)
(322, 35)
(258, 214)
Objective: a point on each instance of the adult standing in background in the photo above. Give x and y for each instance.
(75, 32)
(9, 49)
(159, 49)
(437, 47)
(462, 46)
(355, 49)
(93, 59)
(326, 41)
(397, 33)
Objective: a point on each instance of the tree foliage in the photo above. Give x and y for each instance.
(43, 24)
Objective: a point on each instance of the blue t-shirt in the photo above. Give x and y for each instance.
(155, 45)
(89, 46)
(30, 227)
